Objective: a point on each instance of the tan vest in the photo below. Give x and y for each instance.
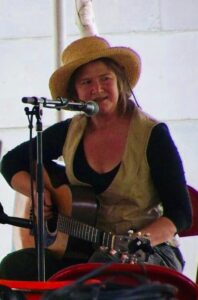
(131, 201)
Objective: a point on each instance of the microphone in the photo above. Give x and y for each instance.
(90, 108)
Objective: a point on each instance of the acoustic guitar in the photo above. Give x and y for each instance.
(80, 226)
(78, 202)
(78, 222)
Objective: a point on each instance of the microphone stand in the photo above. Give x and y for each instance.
(40, 196)
(37, 111)
(15, 221)
(40, 193)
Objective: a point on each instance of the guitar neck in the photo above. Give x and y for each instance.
(83, 231)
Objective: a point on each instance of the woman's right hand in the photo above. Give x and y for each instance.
(48, 208)
(21, 183)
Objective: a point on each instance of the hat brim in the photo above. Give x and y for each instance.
(124, 56)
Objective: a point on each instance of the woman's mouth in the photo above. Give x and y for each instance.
(100, 99)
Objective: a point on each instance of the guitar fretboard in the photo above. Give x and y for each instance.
(83, 231)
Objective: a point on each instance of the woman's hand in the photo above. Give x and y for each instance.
(160, 231)
(21, 183)
(48, 207)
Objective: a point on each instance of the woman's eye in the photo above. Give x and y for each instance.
(106, 78)
(85, 82)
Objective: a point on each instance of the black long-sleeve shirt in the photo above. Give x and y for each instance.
(164, 161)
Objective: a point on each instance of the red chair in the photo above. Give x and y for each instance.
(194, 201)
(31, 290)
(193, 230)
(122, 274)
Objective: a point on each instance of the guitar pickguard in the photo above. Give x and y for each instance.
(84, 209)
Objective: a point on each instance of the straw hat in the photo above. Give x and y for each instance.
(87, 49)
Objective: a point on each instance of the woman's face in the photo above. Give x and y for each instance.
(97, 82)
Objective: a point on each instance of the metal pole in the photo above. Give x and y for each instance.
(58, 10)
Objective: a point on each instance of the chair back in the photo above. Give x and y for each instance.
(130, 274)
(193, 230)
(28, 290)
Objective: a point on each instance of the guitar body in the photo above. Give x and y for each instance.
(78, 202)
(81, 205)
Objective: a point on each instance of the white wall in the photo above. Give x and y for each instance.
(163, 32)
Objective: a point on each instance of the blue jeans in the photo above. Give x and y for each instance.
(163, 255)
(22, 264)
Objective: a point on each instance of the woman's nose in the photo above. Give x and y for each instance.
(97, 87)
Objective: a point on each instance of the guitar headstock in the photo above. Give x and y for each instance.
(132, 248)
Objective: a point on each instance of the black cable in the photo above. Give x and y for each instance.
(135, 99)
(149, 291)
(6, 293)
(109, 289)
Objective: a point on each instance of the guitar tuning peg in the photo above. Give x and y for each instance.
(124, 258)
(104, 249)
(133, 260)
(112, 252)
(130, 233)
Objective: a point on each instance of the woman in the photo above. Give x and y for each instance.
(126, 156)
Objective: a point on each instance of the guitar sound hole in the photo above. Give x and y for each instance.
(52, 224)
